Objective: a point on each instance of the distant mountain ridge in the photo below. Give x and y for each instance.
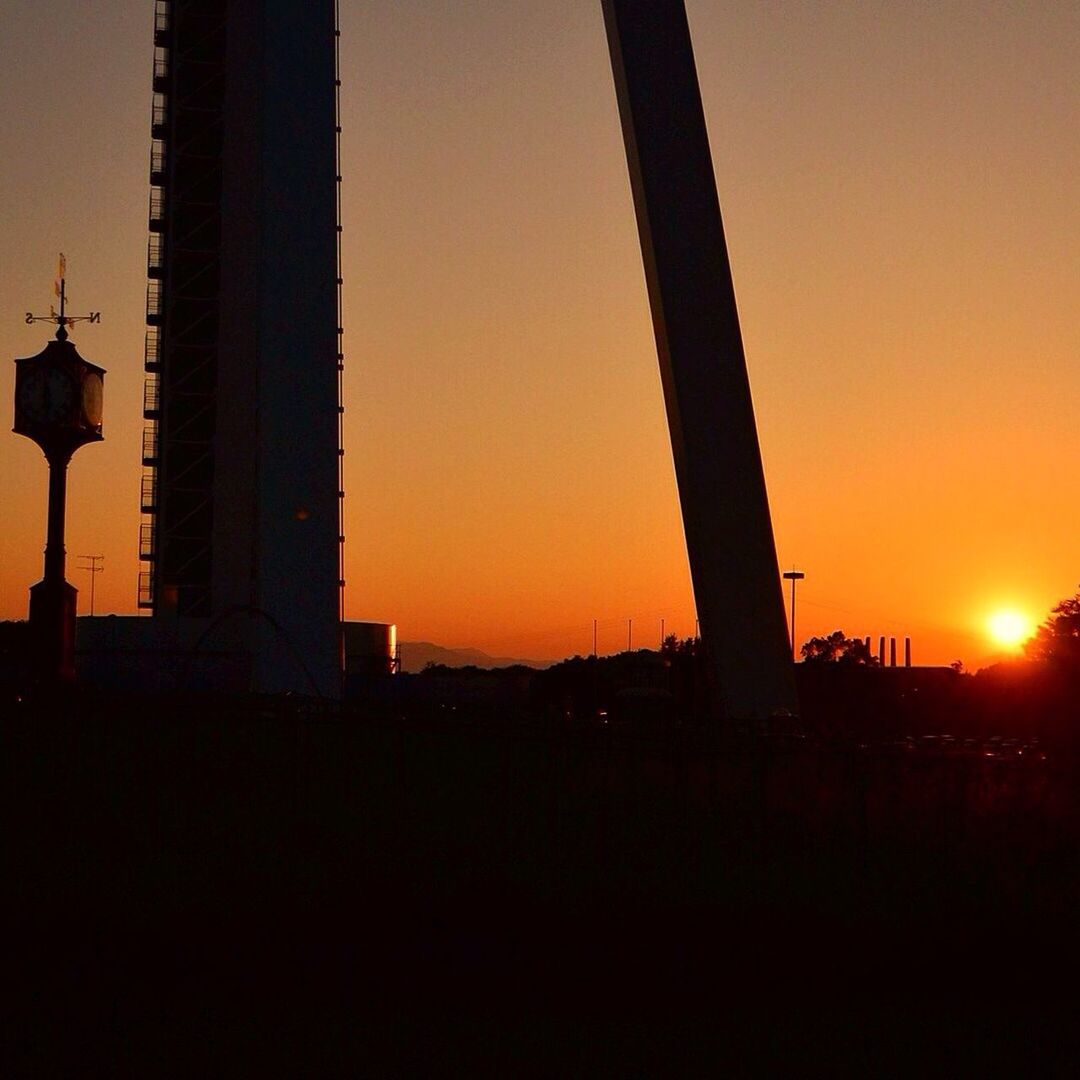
(416, 655)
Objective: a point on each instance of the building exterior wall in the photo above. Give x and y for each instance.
(245, 520)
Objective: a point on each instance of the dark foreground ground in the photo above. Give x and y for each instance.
(201, 886)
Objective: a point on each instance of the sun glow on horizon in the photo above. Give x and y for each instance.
(1009, 628)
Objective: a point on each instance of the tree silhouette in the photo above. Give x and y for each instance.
(835, 648)
(1058, 639)
(672, 646)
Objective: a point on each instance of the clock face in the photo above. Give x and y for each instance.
(31, 397)
(46, 395)
(91, 399)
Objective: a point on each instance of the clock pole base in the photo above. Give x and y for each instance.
(52, 630)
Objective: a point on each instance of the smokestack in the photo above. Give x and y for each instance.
(907, 652)
(892, 652)
(881, 650)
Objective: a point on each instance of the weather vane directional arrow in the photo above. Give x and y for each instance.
(62, 319)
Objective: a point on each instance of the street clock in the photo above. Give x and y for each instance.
(58, 398)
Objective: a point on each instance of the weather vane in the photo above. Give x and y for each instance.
(61, 318)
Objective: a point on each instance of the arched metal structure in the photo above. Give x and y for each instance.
(725, 506)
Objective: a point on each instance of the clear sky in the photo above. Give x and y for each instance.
(901, 191)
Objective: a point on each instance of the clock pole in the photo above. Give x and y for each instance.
(58, 405)
(55, 552)
(53, 599)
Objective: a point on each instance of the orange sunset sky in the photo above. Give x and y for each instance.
(900, 190)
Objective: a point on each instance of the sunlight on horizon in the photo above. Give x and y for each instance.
(1009, 628)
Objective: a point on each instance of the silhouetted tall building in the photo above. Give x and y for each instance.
(242, 445)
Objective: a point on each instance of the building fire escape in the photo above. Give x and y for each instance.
(182, 304)
(340, 312)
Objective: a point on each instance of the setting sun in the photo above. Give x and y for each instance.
(1009, 628)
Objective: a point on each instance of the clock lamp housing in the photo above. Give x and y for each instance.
(58, 398)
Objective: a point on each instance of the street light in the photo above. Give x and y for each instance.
(793, 575)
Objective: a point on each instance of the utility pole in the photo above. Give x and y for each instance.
(594, 638)
(661, 633)
(93, 569)
(629, 634)
(793, 575)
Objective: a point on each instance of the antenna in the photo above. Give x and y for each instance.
(63, 320)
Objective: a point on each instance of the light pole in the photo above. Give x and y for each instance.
(793, 575)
